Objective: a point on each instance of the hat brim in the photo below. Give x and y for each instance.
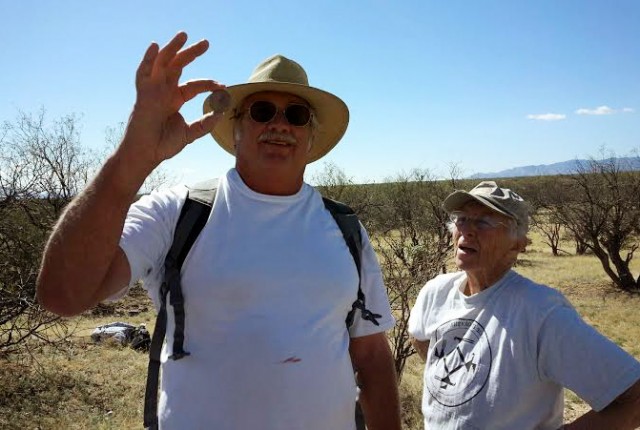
(458, 199)
(331, 114)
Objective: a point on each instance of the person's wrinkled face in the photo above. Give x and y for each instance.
(485, 241)
(274, 132)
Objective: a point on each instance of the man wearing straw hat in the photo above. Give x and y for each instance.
(269, 280)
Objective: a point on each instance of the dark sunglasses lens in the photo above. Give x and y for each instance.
(297, 115)
(262, 111)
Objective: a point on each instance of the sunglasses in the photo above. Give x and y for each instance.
(263, 111)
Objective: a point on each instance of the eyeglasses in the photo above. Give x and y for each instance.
(262, 111)
(481, 223)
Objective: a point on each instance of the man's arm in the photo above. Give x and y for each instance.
(372, 358)
(621, 414)
(82, 262)
(421, 347)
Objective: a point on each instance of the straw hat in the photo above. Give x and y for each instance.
(278, 73)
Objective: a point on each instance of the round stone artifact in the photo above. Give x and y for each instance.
(219, 100)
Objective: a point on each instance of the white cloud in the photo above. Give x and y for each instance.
(547, 116)
(600, 110)
(603, 110)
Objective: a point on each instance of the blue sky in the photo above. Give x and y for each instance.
(484, 85)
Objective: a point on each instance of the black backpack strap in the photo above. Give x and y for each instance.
(349, 225)
(153, 370)
(193, 217)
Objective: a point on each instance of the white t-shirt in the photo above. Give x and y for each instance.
(499, 359)
(267, 287)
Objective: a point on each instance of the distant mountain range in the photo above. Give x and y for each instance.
(561, 168)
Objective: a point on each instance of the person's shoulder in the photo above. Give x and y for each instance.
(536, 295)
(178, 192)
(444, 281)
(163, 197)
(437, 289)
(529, 286)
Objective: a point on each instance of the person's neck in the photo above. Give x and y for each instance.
(271, 182)
(481, 280)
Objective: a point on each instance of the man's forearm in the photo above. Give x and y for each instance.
(604, 420)
(623, 413)
(380, 402)
(421, 347)
(379, 389)
(84, 241)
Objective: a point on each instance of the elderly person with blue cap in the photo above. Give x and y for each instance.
(269, 282)
(499, 348)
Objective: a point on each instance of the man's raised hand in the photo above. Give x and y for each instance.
(156, 130)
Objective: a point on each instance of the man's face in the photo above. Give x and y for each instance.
(276, 145)
(486, 244)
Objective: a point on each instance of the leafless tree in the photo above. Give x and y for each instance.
(604, 214)
(333, 182)
(550, 229)
(42, 166)
(544, 194)
(412, 243)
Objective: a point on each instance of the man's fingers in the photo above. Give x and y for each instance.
(168, 52)
(202, 126)
(146, 65)
(186, 56)
(192, 88)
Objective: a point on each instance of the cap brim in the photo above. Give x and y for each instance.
(331, 113)
(458, 199)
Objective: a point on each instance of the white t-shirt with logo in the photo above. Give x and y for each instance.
(500, 359)
(267, 287)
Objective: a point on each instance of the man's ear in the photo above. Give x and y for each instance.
(521, 244)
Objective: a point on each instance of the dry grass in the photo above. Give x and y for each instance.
(102, 386)
(88, 386)
(91, 387)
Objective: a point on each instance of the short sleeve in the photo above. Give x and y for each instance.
(376, 299)
(417, 325)
(578, 357)
(148, 234)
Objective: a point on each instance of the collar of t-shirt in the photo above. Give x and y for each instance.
(237, 184)
(484, 296)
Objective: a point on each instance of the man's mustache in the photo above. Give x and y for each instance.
(276, 135)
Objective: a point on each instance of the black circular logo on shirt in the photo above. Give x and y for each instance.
(460, 362)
